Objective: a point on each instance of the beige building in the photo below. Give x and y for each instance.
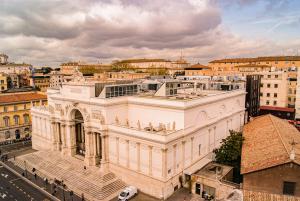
(120, 75)
(277, 62)
(274, 89)
(196, 69)
(3, 82)
(69, 68)
(41, 81)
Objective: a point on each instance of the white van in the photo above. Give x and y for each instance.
(127, 193)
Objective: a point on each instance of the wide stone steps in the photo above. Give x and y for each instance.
(95, 185)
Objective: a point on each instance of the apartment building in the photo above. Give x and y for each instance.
(3, 82)
(274, 89)
(41, 81)
(15, 118)
(277, 62)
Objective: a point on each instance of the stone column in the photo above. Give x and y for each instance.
(53, 135)
(95, 144)
(63, 138)
(58, 145)
(96, 152)
(117, 150)
(209, 140)
(150, 159)
(90, 158)
(164, 162)
(127, 154)
(70, 136)
(183, 155)
(174, 159)
(192, 149)
(138, 160)
(214, 136)
(103, 149)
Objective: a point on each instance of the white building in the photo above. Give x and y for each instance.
(152, 141)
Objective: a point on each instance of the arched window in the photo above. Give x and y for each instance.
(26, 118)
(6, 121)
(17, 119)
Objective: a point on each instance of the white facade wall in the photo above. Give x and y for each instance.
(152, 161)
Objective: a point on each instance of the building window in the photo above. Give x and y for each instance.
(268, 94)
(274, 102)
(268, 85)
(269, 76)
(261, 85)
(276, 85)
(5, 109)
(15, 107)
(275, 95)
(267, 102)
(199, 151)
(26, 118)
(289, 98)
(261, 94)
(6, 121)
(25, 106)
(289, 188)
(16, 119)
(276, 76)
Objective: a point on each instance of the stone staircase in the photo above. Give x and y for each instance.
(94, 184)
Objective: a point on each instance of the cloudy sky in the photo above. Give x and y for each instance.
(49, 32)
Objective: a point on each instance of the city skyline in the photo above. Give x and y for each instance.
(49, 33)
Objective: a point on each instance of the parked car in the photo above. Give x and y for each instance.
(127, 193)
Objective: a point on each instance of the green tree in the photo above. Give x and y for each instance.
(229, 153)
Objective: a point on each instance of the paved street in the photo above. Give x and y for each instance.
(16, 149)
(14, 188)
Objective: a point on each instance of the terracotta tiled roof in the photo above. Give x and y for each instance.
(142, 60)
(252, 65)
(268, 143)
(258, 59)
(283, 109)
(197, 66)
(21, 97)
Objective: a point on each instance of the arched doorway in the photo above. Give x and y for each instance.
(17, 133)
(79, 133)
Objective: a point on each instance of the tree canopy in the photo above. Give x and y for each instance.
(229, 153)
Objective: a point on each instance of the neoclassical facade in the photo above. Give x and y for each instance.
(152, 142)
